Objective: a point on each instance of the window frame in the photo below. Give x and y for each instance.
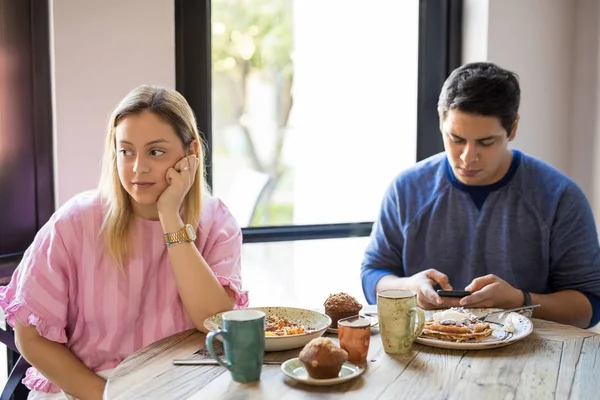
(35, 37)
(440, 37)
(34, 34)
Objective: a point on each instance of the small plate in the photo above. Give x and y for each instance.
(498, 338)
(296, 370)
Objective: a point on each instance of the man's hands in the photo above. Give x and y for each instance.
(491, 291)
(566, 307)
(422, 284)
(486, 291)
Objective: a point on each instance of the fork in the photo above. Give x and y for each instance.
(483, 317)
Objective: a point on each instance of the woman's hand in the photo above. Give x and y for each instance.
(180, 179)
(58, 364)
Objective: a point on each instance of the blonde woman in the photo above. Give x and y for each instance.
(147, 255)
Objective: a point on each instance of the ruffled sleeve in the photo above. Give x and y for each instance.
(223, 252)
(38, 292)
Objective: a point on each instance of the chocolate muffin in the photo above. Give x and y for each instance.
(322, 358)
(341, 305)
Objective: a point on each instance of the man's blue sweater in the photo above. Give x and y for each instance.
(534, 229)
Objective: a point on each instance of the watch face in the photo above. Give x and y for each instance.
(191, 233)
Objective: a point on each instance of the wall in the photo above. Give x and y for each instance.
(554, 46)
(475, 30)
(101, 50)
(534, 38)
(585, 164)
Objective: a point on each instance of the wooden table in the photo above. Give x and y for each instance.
(555, 362)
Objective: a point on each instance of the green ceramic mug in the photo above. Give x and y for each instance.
(243, 334)
(400, 320)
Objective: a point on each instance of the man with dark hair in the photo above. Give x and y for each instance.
(497, 222)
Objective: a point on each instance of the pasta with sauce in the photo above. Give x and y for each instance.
(277, 326)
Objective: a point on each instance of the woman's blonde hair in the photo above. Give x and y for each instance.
(172, 108)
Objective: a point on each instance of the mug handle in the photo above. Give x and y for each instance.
(209, 345)
(420, 322)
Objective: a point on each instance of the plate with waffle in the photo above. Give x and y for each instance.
(461, 328)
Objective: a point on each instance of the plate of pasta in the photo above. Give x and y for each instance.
(286, 328)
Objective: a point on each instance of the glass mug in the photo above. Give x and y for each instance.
(400, 320)
(354, 334)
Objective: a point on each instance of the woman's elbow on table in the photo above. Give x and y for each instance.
(229, 305)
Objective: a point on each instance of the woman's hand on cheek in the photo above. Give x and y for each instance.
(179, 179)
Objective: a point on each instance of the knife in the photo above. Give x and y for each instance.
(209, 361)
(374, 314)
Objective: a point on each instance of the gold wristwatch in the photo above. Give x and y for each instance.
(186, 234)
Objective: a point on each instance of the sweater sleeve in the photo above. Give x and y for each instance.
(574, 249)
(383, 255)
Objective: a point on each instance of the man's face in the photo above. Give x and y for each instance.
(477, 147)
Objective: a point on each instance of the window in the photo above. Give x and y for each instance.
(313, 114)
(302, 273)
(309, 109)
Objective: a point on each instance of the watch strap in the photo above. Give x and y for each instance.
(527, 298)
(181, 236)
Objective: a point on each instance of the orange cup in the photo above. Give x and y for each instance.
(354, 334)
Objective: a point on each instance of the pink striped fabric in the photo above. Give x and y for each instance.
(67, 287)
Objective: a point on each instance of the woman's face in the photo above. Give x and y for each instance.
(146, 148)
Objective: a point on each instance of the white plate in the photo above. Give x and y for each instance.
(319, 323)
(296, 370)
(498, 338)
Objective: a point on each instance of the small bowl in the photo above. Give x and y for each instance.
(309, 318)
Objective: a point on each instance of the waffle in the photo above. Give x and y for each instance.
(459, 326)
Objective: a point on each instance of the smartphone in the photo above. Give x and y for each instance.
(453, 293)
